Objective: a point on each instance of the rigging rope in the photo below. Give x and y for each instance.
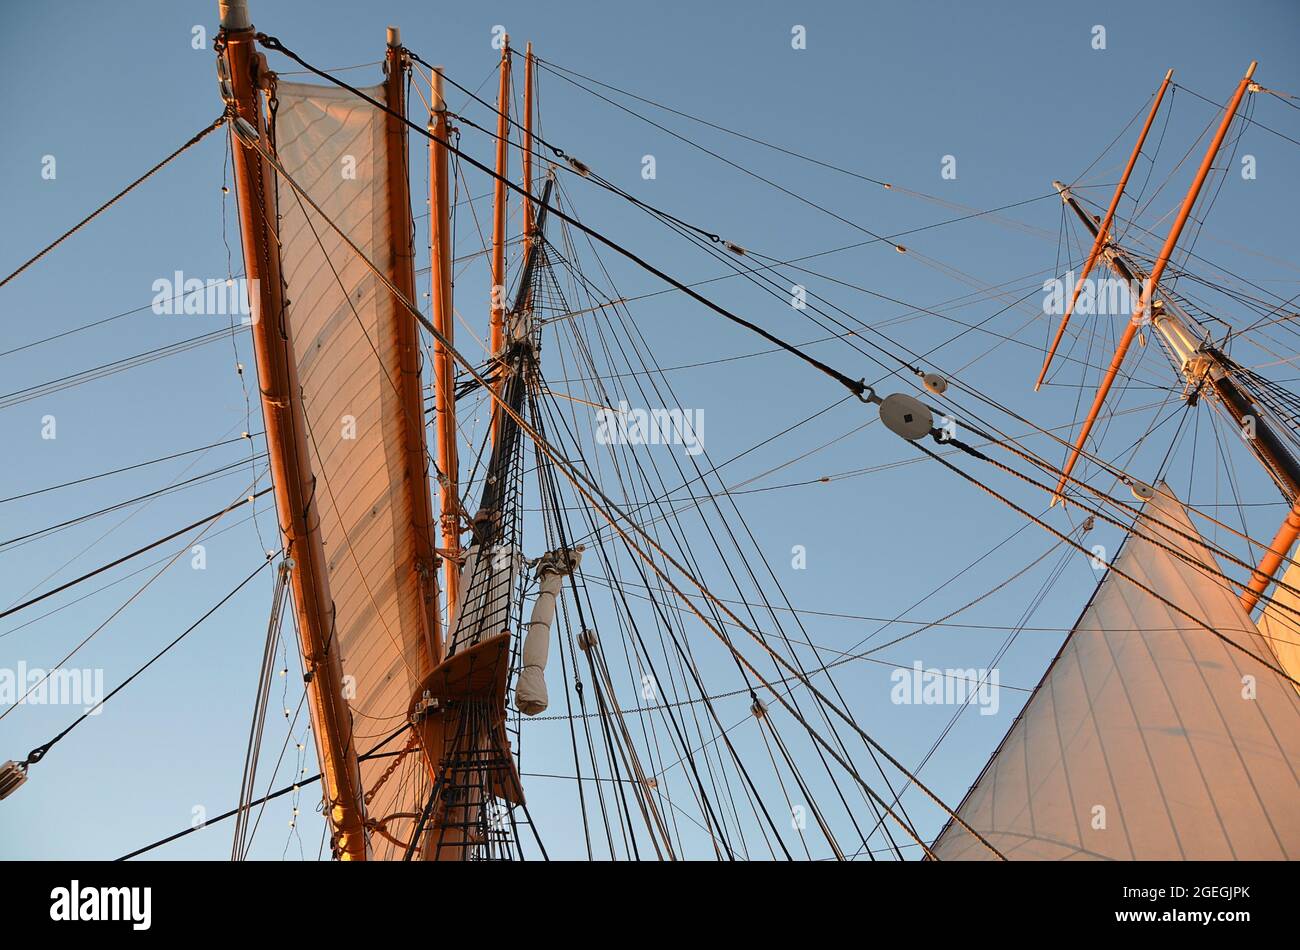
(39, 752)
(138, 551)
(857, 387)
(193, 140)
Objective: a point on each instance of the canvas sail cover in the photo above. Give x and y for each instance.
(1279, 623)
(343, 324)
(1144, 740)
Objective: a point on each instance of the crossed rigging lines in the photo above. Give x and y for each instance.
(555, 463)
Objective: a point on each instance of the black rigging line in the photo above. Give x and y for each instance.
(857, 387)
(1221, 106)
(193, 140)
(80, 519)
(374, 753)
(138, 551)
(700, 474)
(39, 752)
(128, 468)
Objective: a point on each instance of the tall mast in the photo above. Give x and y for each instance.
(444, 388)
(243, 74)
(401, 270)
(498, 304)
(1154, 278)
(1103, 233)
(526, 156)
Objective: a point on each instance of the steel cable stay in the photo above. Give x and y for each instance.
(1133, 512)
(120, 580)
(132, 467)
(668, 627)
(279, 600)
(272, 43)
(593, 369)
(686, 666)
(372, 753)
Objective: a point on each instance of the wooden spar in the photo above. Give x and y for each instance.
(526, 155)
(444, 388)
(1272, 560)
(286, 440)
(1153, 280)
(406, 372)
(498, 304)
(1103, 234)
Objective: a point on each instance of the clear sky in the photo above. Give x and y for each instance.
(1015, 93)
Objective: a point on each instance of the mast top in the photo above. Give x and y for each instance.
(394, 37)
(234, 14)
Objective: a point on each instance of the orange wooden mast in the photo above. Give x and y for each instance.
(1153, 280)
(459, 709)
(244, 73)
(1273, 559)
(526, 155)
(444, 381)
(1103, 234)
(498, 304)
(406, 372)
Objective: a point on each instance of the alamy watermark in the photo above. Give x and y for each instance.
(58, 687)
(918, 686)
(1101, 296)
(193, 296)
(628, 426)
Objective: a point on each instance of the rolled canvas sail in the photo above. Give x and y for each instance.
(344, 340)
(1145, 740)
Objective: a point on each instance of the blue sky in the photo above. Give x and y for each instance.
(1013, 91)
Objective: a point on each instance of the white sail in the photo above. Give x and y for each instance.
(1149, 737)
(344, 336)
(1279, 623)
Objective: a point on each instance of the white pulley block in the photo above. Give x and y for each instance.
(935, 383)
(906, 416)
(1142, 491)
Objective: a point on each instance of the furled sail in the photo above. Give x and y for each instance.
(1279, 623)
(1149, 737)
(345, 342)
